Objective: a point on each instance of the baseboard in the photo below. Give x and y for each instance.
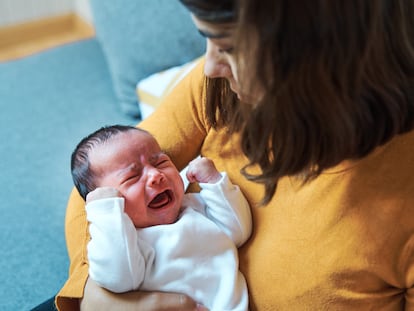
(31, 37)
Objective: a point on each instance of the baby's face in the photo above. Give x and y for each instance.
(133, 163)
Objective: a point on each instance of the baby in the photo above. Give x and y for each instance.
(147, 234)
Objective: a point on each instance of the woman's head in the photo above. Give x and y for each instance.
(336, 80)
(216, 21)
(331, 80)
(214, 11)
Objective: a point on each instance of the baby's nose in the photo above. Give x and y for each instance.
(155, 177)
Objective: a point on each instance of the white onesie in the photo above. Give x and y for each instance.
(196, 255)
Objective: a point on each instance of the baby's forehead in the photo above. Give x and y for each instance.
(144, 143)
(145, 139)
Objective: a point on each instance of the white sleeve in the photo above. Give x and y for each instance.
(228, 208)
(115, 260)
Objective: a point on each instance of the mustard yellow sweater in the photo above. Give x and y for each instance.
(345, 241)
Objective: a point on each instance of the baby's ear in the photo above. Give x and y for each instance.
(102, 193)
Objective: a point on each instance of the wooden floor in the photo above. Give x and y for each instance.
(32, 37)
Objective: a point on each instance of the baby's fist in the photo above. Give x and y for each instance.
(203, 170)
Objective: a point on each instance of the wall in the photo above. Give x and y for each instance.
(83, 9)
(14, 12)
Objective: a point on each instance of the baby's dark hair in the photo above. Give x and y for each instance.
(82, 174)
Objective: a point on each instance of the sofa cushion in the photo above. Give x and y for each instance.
(141, 37)
(152, 90)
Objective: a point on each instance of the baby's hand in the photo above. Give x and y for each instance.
(102, 193)
(203, 170)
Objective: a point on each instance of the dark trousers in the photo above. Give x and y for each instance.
(48, 305)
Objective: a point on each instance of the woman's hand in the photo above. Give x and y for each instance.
(97, 298)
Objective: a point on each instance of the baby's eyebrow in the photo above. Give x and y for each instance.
(129, 168)
(154, 158)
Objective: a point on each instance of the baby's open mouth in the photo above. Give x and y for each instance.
(161, 199)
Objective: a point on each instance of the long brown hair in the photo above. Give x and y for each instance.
(336, 80)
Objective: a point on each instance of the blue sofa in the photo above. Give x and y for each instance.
(52, 99)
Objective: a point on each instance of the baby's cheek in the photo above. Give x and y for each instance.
(134, 216)
(127, 210)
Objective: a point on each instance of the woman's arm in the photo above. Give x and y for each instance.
(179, 123)
(97, 298)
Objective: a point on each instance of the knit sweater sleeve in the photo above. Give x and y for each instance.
(183, 113)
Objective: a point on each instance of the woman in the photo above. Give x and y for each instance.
(309, 107)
